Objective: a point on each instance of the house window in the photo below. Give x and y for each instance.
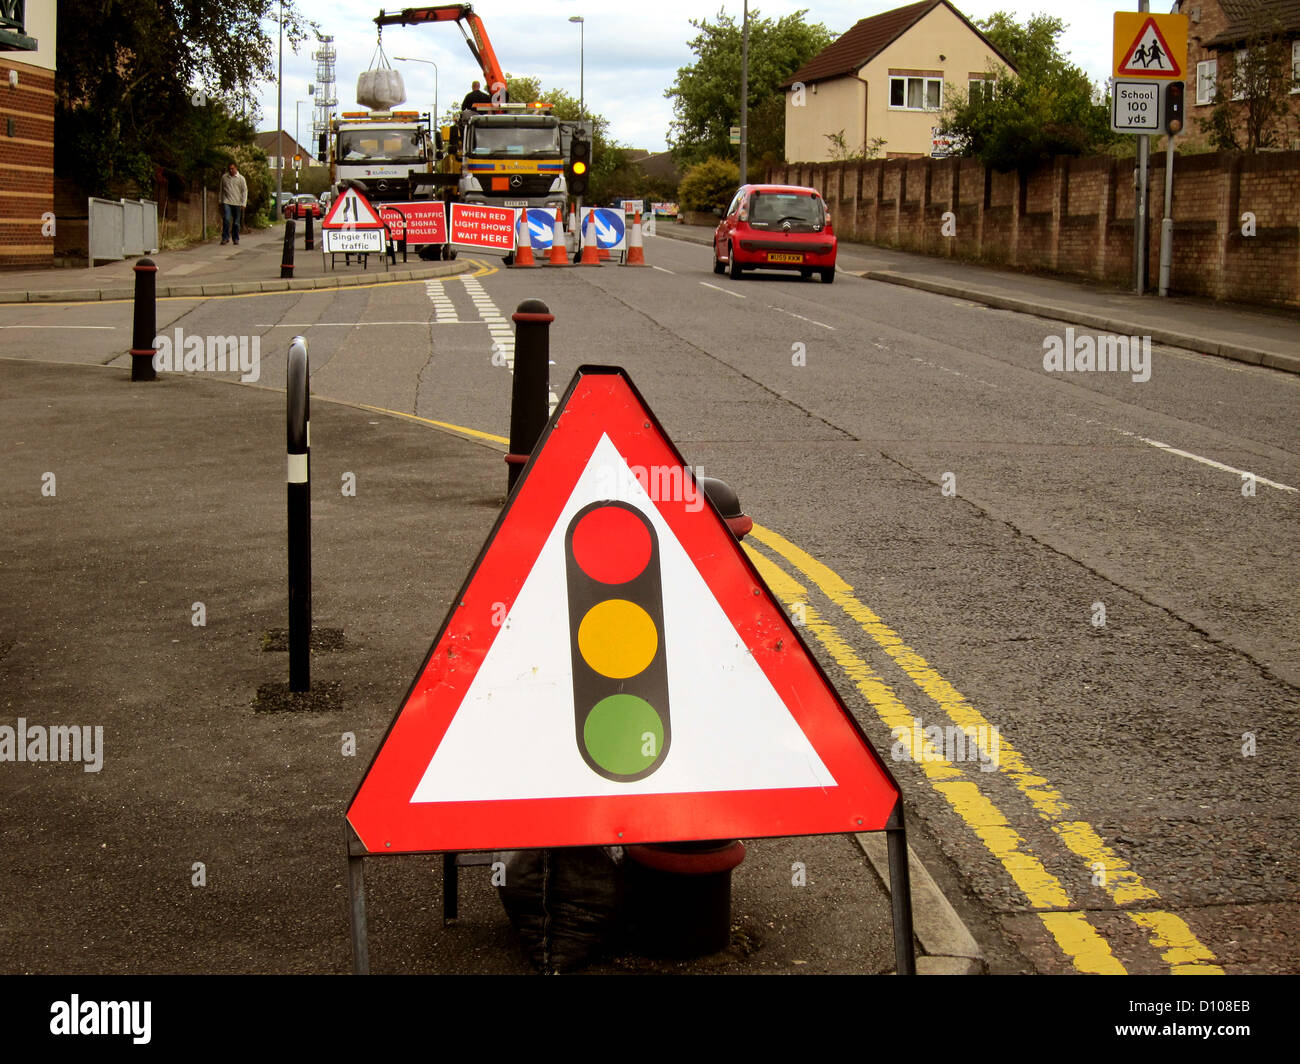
(1206, 72)
(1295, 66)
(916, 94)
(1239, 75)
(981, 90)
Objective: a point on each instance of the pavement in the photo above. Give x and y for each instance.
(146, 584)
(1259, 336)
(210, 269)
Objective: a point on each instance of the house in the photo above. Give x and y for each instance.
(886, 78)
(286, 147)
(27, 124)
(1217, 35)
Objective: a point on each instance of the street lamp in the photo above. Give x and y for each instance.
(279, 119)
(582, 32)
(409, 59)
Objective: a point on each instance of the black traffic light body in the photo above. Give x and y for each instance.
(578, 171)
(616, 638)
(1175, 93)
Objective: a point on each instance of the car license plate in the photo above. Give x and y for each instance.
(773, 257)
(514, 203)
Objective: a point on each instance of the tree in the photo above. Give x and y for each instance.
(709, 185)
(706, 94)
(1255, 100)
(133, 76)
(1048, 107)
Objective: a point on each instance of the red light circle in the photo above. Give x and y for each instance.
(612, 545)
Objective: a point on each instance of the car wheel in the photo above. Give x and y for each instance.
(734, 269)
(718, 265)
(828, 275)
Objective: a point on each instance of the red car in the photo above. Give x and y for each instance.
(300, 205)
(776, 227)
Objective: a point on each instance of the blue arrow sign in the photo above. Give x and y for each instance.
(608, 226)
(541, 229)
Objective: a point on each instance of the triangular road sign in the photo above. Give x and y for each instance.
(615, 671)
(1149, 55)
(351, 211)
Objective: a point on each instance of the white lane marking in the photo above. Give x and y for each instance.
(58, 326)
(724, 290)
(500, 329)
(333, 324)
(1211, 462)
(954, 372)
(662, 270)
(811, 321)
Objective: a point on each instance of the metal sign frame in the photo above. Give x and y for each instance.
(888, 818)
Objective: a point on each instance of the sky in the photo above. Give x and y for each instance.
(629, 54)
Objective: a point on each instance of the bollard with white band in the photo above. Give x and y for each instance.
(298, 446)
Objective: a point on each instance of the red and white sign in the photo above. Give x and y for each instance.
(479, 225)
(351, 211)
(418, 222)
(493, 748)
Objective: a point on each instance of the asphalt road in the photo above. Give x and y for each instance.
(1073, 559)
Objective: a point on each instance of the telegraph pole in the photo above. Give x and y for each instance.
(744, 96)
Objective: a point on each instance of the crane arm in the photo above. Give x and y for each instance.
(480, 46)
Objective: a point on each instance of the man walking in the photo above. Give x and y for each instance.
(234, 198)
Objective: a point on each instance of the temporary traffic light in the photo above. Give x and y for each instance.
(1174, 93)
(616, 626)
(577, 172)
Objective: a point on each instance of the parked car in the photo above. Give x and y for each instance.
(300, 205)
(776, 227)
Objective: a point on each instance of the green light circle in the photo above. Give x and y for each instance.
(615, 731)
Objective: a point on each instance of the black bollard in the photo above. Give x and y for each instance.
(145, 326)
(297, 440)
(286, 259)
(309, 236)
(530, 393)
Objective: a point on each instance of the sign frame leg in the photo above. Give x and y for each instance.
(900, 893)
(450, 888)
(357, 904)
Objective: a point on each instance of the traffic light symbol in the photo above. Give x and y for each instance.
(579, 169)
(616, 638)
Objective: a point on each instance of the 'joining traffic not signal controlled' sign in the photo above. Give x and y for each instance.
(615, 671)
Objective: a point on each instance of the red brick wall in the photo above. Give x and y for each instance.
(1075, 216)
(26, 166)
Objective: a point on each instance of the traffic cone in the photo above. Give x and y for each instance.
(635, 248)
(523, 243)
(590, 255)
(559, 253)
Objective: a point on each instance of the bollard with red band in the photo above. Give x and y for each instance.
(309, 237)
(145, 324)
(679, 893)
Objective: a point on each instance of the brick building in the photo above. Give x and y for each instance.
(26, 133)
(1218, 31)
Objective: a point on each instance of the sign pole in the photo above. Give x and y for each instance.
(1140, 202)
(1167, 223)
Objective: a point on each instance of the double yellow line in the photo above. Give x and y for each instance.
(1084, 946)
(1078, 939)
